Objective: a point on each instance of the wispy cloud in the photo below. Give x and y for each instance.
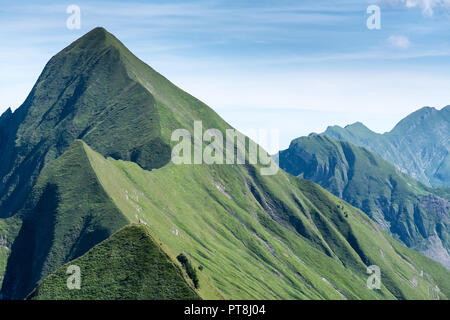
(428, 7)
(400, 42)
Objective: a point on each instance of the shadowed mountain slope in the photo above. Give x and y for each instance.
(265, 236)
(410, 211)
(67, 213)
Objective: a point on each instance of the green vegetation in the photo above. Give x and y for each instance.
(128, 265)
(266, 237)
(411, 212)
(91, 146)
(66, 214)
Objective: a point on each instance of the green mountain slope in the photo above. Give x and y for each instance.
(66, 214)
(128, 265)
(86, 91)
(411, 212)
(98, 91)
(266, 236)
(255, 236)
(419, 145)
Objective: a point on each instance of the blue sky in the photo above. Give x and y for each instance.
(294, 66)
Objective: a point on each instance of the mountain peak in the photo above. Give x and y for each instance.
(7, 114)
(87, 91)
(357, 124)
(98, 30)
(418, 117)
(96, 34)
(350, 127)
(95, 40)
(424, 110)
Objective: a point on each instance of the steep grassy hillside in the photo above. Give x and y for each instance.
(89, 90)
(128, 265)
(67, 213)
(84, 92)
(266, 236)
(418, 145)
(411, 212)
(254, 236)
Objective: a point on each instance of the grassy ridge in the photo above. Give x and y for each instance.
(66, 214)
(94, 89)
(265, 236)
(128, 265)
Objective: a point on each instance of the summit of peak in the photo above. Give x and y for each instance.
(99, 30)
(95, 40)
(356, 125)
(97, 34)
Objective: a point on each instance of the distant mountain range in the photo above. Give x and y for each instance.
(417, 215)
(86, 180)
(419, 145)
